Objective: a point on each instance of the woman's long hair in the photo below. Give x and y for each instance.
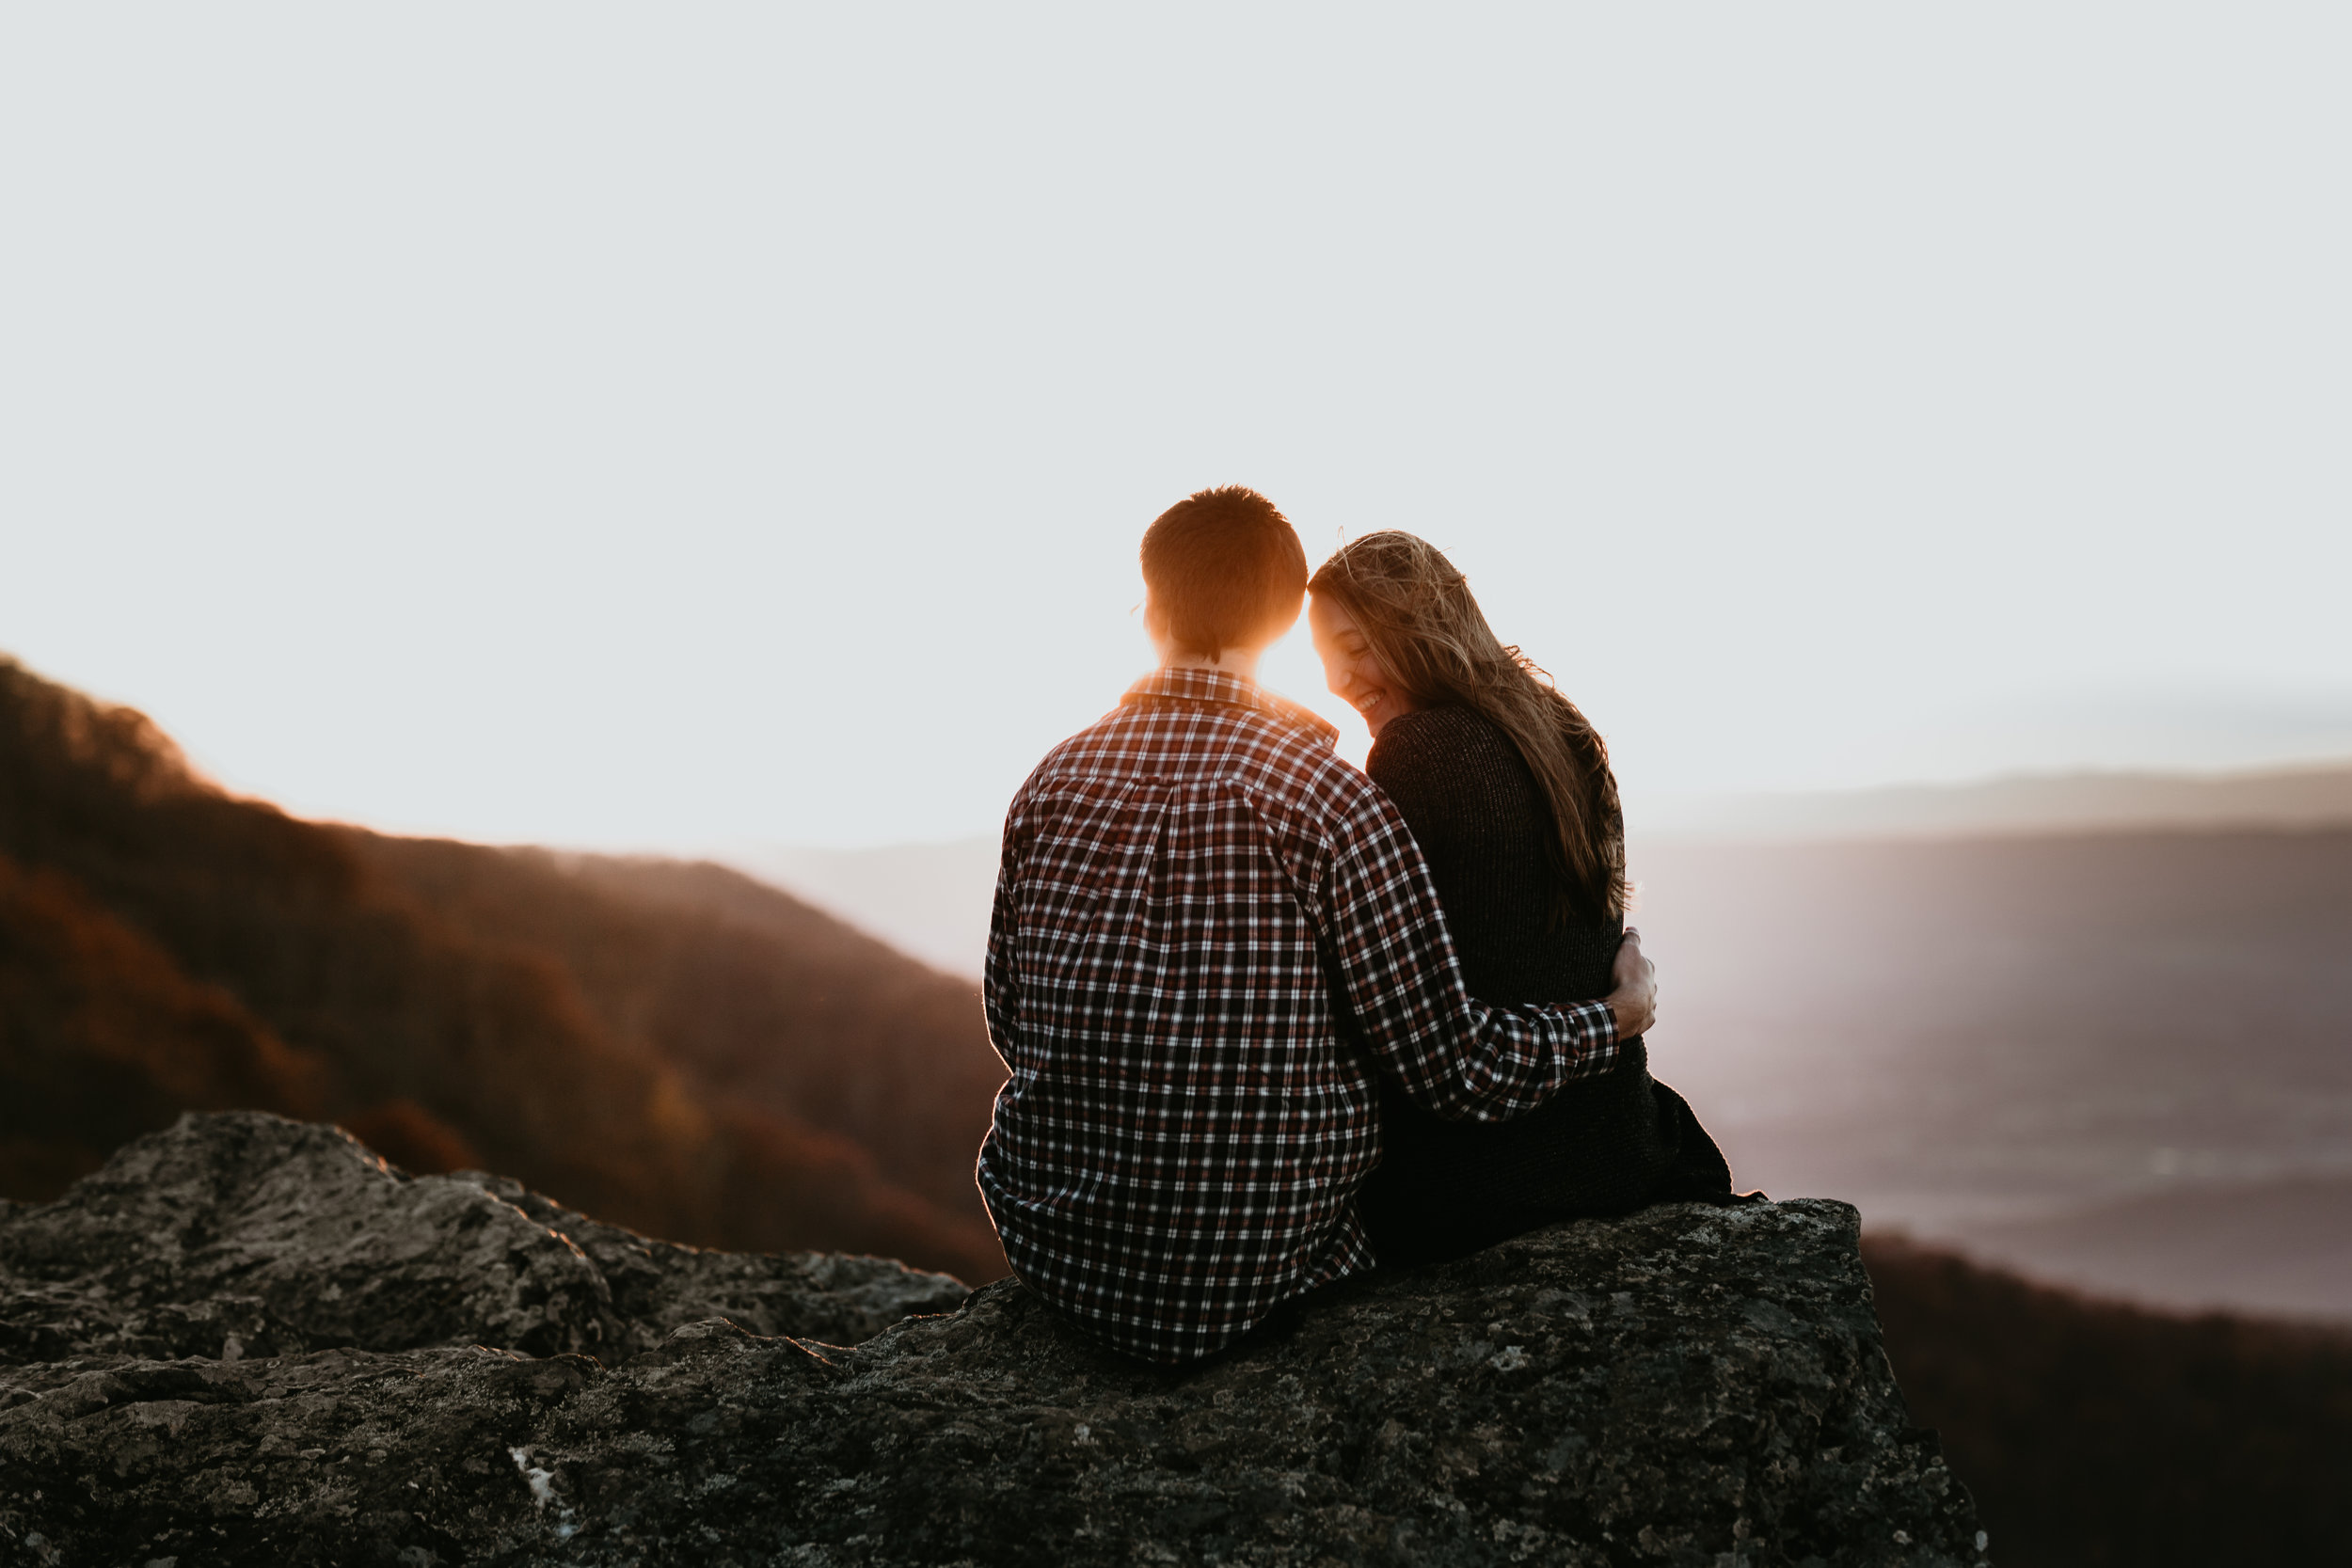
(1417, 613)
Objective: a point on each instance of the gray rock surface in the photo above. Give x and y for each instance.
(1689, 1387)
(242, 1234)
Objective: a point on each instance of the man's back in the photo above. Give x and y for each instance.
(1194, 892)
(1172, 1153)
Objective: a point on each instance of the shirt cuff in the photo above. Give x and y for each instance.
(1595, 1048)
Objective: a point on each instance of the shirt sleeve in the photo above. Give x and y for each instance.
(1395, 970)
(1000, 990)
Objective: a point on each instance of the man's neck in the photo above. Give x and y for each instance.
(1230, 661)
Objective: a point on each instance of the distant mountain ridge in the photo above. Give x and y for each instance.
(932, 899)
(2317, 795)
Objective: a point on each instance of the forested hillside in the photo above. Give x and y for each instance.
(2095, 1433)
(672, 1046)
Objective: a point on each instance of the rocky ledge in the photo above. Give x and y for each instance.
(248, 1341)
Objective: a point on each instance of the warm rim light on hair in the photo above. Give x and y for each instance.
(1418, 613)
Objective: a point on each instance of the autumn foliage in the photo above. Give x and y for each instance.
(673, 1047)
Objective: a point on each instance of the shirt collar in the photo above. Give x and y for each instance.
(1216, 686)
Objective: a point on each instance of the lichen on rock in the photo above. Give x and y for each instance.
(515, 1383)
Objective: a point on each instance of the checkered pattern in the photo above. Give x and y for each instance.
(1209, 934)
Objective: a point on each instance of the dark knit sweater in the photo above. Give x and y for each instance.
(1601, 1146)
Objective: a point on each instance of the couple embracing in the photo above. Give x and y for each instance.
(1270, 1022)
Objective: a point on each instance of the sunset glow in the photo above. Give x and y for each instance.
(1290, 668)
(674, 407)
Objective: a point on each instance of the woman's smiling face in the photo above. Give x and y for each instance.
(1350, 668)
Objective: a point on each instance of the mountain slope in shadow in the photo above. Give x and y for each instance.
(674, 1047)
(2094, 1432)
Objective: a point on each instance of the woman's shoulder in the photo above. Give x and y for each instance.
(1452, 757)
(1448, 738)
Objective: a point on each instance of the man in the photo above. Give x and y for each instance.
(1210, 936)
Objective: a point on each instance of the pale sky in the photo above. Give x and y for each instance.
(671, 426)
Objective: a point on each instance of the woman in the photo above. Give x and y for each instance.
(1507, 790)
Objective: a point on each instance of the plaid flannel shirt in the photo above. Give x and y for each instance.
(1210, 933)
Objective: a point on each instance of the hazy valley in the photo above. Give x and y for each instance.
(2097, 1027)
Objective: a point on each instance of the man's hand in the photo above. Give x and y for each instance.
(1635, 1000)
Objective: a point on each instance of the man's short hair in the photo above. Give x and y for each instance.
(1225, 569)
